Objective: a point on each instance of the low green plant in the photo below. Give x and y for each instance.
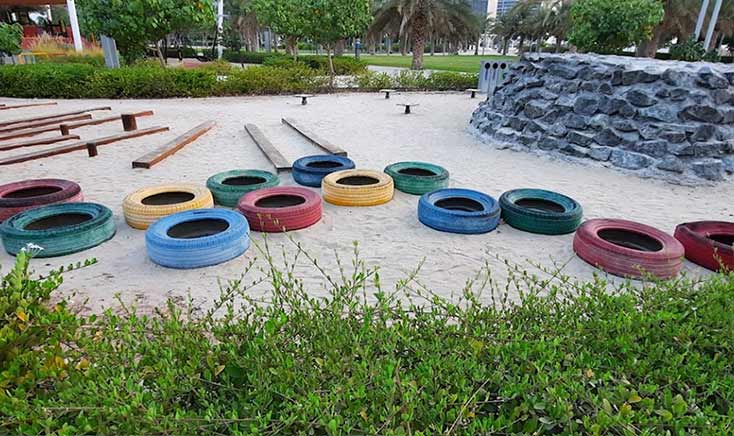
(417, 81)
(563, 357)
(72, 59)
(11, 36)
(689, 50)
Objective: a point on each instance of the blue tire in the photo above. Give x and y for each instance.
(197, 238)
(59, 229)
(459, 211)
(309, 170)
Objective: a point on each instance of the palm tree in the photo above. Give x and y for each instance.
(417, 19)
(244, 21)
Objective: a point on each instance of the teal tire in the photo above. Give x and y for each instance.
(228, 187)
(59, 229)
(418, 178)
(540, 211)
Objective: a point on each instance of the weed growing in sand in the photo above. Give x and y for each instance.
(567, 357)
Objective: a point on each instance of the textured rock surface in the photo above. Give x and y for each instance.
(665, 119)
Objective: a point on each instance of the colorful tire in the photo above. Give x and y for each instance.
(59, 228)
(357, 188)
(28, 194)
(540, 211)
(228, 187)
(459, 211)
(310, 170)
(708, 243)
(281, 209)
(147, 205)
(197, 238)
(417, 178)
(628, 249)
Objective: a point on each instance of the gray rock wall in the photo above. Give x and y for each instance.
(664, 119)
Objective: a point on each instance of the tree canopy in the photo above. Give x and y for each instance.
(135, 23)
(11, 36)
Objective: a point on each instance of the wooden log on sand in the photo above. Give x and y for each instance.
(45, 117)
(171, 147)
(66, 127)
(37, 141)
(81, 145)
(19, 106)
(41, 123)
(313, 138)
(273, 154)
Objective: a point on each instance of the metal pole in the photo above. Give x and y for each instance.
(701, 18)
(220, 28)
(71, 6)
(712, 25)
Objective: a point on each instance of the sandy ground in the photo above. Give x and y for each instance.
(375, 133)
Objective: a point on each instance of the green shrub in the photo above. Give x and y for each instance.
(11, 37)
(375, 81)
(565, 358)
(418, 81)
(343, 65)
(249, 57)
(97, 61)
(689, 50)
(272, 80)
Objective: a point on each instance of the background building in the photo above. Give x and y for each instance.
(503, 6)
(479, 7)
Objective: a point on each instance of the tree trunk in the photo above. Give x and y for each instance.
(521, 46)
(339, 47)
(291, 46)
(160, 53)
(403, 45)
(331, 65)
(559, 41)
(419, 41)
(650, 48)
(433, 45)
(505, 45)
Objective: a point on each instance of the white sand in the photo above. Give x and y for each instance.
(375, 133)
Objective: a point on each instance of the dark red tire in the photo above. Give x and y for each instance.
(628, 249)
(708, 243)
(29, 194)
(281, 209)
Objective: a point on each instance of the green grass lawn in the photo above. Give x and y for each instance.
(466, 64)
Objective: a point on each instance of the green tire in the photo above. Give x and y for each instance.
(540, 211)
(59, 229)
(228, 187)
(418, 178)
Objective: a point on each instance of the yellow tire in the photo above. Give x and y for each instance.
(147, 205)
(357, 188)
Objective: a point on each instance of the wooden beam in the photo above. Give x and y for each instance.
(72, 126)
(41, 123)
(313, 138)
(19, 106)
(37, 141)
(81, 145)
(169, 148)
(45, 117)
(28, 132)
(273, 154)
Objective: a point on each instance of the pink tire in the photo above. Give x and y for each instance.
(29, 194)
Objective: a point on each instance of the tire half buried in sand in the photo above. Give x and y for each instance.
(197, 238)
(59, 229)
(147, 205)
(357, 188)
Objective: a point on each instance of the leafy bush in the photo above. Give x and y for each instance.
(150, 81)
(343, 65)
(72, 59)
(418, 81)
(11, 36)
(604, 26)
(567, 358)
(689, 50)
(249, 57)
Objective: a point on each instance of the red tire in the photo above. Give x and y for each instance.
(628, 249)
(29, 194)
(708, 243)
(281, 209)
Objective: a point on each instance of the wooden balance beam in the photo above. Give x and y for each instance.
(153, 157)
(45, 117)
(41, 123)
(81, 145)
(19, 106)
(37, 141)
(28, 132)
(313, 138)
(273, 154)
(66, 127)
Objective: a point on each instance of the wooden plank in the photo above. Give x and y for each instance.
(19, 106)
(45, 117)
(80, 145)
(37, 141)
(72, 126)
(169, 148)
(41, 123)
(273, 154)
(28, 132)
(313, 138)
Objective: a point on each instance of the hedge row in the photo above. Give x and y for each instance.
(216, 79)
(86, 81)
(342, 65)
